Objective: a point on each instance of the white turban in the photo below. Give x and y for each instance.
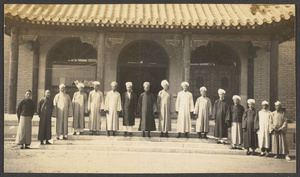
(203, 88)
(265, 103)
(164, 82)
(236, 97)
(146, 84)
(251, 101)
(128, 84)
(221, 91)
(114, 83)
(96, 83)
(80, 85)
(185, 84)
(277, 103)
(61, 86)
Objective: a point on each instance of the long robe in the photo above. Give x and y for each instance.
(221, 114)
(203, 110)
(45, 109)
(80, 107)
(184, 106)
(279, 142)
(63, 109)
(129, 106)
(250, 124)
(147, 107)
(95, 105)
(113, 106)
(263, 134)
(236, 117)
(25, 113)
(164, 110)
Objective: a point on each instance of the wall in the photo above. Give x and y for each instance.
(287, 78)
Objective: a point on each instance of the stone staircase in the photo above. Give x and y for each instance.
(136, 143)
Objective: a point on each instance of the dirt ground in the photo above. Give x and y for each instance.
(74, 161)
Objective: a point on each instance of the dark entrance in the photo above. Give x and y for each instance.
(215, 66)
(142, 61)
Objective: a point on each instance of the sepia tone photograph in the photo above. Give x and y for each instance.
(149, 88)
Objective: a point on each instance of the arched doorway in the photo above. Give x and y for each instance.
(142, 61)
(68, 61)
(215, 66)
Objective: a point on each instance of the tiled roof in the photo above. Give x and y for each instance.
(224, 15)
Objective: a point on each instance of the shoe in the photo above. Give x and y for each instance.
(26, 147)
(42, 143)
(161, 134)
(218, 142)
(262, 154)
(47, 142)
(186, 135)
(275, 157)
(143, 134)
(74, 133)
(149, 135)
(166, 135)
(179, 135)
(114, 133)
(233, 147)
(57, 138)
(248, 153)
(287, 158)
(65, 138)
(21, 147)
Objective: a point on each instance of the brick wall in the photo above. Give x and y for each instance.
(24, 70)
(287, 78)
(261, 90)
(6, 70)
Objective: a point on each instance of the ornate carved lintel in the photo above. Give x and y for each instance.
(113, 41)
(174, 42)
(91, 40)
(198, 43)
(261, 44)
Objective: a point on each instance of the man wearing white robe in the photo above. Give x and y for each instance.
(184, 108)
(264, 117)
(202, 113)
(112, 108)
(164, 109)
(80, 107)
(62, 110)
(95, 106)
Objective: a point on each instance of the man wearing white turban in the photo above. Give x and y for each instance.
(146, 108)
(95, 106)
(129, 104)
(62, 110)
(203, 110)
(250, 127)
(80, 107)
(236, 116)
(164, 109)
(184, 108)
(221, 115)
(264, 117)
(278, 130)
(112, 108)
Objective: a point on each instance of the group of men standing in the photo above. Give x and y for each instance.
(245, 124)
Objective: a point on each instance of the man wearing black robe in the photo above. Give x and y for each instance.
(129, 102)
(44, 111)
(147, 108)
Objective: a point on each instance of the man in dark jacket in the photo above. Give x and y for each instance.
(129, 103)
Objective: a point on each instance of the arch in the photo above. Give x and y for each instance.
(70, 59)
(140, 61)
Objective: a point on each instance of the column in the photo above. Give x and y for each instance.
(186, 56)
(35, 71)
(273, 74)
(101, 59)
(13, 71)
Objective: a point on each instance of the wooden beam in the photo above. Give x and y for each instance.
(35, 71)
(13, 70)
(186, 56)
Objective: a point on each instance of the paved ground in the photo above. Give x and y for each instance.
(49, 161)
